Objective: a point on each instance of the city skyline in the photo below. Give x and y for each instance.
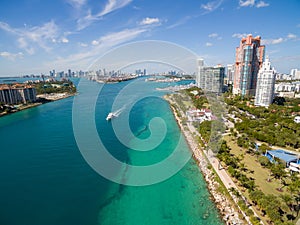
(38, 36)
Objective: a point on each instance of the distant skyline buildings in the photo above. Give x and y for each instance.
(265, 87)
(295, 74)
(249, 58)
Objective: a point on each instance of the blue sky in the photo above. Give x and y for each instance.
(37, 35)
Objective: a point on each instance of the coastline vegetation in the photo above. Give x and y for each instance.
(65, 86)
(267, 188)
(180, 102)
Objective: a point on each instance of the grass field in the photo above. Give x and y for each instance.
(255, 170)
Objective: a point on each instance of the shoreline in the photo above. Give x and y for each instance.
(47, 99)
(227, 212)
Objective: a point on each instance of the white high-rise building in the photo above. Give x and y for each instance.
(200, 66)
(293, 72)
(265, 85)
(230, 73)
(297, 75)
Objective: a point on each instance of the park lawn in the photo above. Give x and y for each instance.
(188, 104)
(260, 174)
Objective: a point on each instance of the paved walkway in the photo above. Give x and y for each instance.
(225, 178)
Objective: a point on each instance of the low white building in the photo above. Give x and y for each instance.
(297, 119)
(295, 167)
(288, 87)
(197, 115)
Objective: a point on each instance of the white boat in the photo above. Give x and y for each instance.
(110, 116)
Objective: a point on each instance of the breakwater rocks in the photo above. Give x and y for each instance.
(229, 214)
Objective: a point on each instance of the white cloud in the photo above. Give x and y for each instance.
(11, 56)
(94, 42)
(77, 3)
(239, 35)
(113, 39)
(6, 27)
(109, 7)
(86, 21)
(23, 44)
(246, 3)
(149, 20)
(208, 44)
(83, 45)
(65, 40)
(272, 41)
(291, 36)
(251, 3)
(211, 6)
(136, 7)
(100, 45)
(113, 5)
(180, 22)
(262, 4)
(29, 38)
(213, 35)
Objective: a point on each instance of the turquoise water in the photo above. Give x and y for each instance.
(45, 180)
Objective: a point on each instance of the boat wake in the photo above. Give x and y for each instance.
(119, 111)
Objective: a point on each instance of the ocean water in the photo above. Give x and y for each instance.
(45, 179)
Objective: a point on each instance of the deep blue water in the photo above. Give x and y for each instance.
(45, 180)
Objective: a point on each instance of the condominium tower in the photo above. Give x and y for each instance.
(230, 73)
(210, 79)
(265, 85)
(17, 94)
(249, 58)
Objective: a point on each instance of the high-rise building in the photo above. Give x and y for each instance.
(265, 86)
(293, 72)
(230, 73)
(249, 58)
(17, 94)
(210, 79)
(200, 65)
(52, 73)
(69, 73)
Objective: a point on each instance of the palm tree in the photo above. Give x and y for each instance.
(288, 200)
(294, 188)
(279, 173)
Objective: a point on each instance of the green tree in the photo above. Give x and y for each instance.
(264, 161)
